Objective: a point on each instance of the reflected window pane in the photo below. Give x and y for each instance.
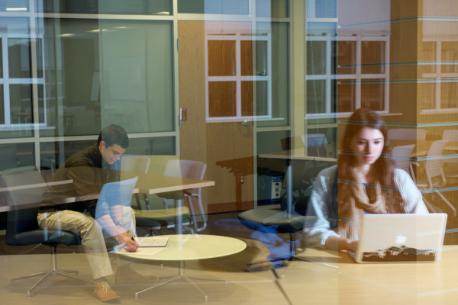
(345, 95)
(316, 96)
(259, 101)
(2, 105)
(427, 57)
(373, 94)
(449, 94)
(14, 6)
(345, 57)
(259, 56)
(222, 99)
(326, 8)
(426, 94)
(272, 8)
(221, 57)
(19, 58)
(316, 57)
(21, 104)
(449, 56)
(1, 58)
(126, 76)
(152, 146)
(134, 7)
(16, 155)
(373, 57)
(227, 7)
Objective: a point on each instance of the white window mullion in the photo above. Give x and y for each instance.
(6, 82)
(437, 89)
(238, 74)
(358, 73)
(328, 81)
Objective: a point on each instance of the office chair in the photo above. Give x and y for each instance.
(167, 215)
(22, 229)
(401, 156)
(271, 218)
(433, 169)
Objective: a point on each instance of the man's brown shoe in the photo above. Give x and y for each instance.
(104, 292)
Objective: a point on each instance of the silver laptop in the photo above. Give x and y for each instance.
(400, 238)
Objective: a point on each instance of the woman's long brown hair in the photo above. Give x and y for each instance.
(382, 170)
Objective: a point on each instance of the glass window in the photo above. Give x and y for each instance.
(2, 109)
(345, 95)
(427, 94)
(133, 7)
(345, 57)
(222, 99)
(255, 94)
(316, 96)
(272, 8)
(260, 57)
(449, 94)
(14, 6)
(427, 57)
(221, 57)
(226, 7)
(21, 104)
(449, 56)
(373, 57)
(19, 57)
(373, 94)
(316, 57)
(16, 155)
(152, 146)
(126, 76)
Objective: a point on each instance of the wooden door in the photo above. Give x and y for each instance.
(226, 147)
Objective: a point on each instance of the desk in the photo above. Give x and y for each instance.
(183, 248)
(332, 279)
(297, 154)
(151, 184)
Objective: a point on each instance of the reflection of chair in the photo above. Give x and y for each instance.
(434, 173)
(114, 201)
(401, 156)
(316, 144)
(185, 169)
(22, 229)
(137, 164)
(406, 134)
(450, 135)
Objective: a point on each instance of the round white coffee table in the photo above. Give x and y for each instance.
(183, 248)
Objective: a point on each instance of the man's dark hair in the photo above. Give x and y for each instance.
(114, 134)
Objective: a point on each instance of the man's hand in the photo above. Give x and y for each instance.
(127, 240)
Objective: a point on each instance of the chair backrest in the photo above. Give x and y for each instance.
(135, 163)
(450, 135)
(194, 170)
(433, 163)
(185, 168)
(401, 156)
(406, 134)
(117, 193)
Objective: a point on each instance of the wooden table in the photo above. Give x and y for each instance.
(332, 279)
(183, 248)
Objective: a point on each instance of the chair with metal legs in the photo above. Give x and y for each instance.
(22, 230)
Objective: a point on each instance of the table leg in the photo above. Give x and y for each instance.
(179, 220)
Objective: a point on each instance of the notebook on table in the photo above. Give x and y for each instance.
(152, 241)
(400, 238)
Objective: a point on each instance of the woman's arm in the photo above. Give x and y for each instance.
(411, 195)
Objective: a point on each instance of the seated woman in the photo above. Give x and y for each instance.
(363, 181)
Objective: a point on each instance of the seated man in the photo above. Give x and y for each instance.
(90, 169)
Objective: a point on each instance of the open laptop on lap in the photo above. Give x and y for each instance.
(400, 238)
